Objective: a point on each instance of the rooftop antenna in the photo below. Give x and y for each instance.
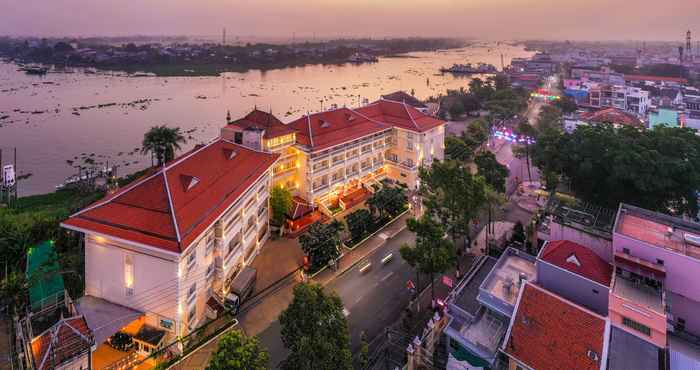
(680, 54)
(223, 37)
(688, 46)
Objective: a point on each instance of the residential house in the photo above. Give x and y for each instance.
(576, 273)
(611, 116)
(579, 222)
(548, 332)
(659, 256)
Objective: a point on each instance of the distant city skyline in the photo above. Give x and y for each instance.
(495, 19)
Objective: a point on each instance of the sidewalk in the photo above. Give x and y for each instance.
(352, 257)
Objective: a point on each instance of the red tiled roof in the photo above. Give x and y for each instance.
(326, 129)
(170, 208)
(550, 333)
(404, 97)
(612, 116)
(262, 120)
(655, 78)
(400, 115)
(561, 253)
(60, 343)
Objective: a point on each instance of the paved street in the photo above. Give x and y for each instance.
(373, 300)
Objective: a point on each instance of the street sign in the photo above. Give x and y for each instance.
(410, 285)
(8, 176)
(447, 281)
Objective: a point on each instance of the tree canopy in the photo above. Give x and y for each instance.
(389, 201)
(280, 203)
(656, 169)
(315, 331)
(452, 195)
(432, 253)
(321, 243)
(236, 351)
(162, 142)
(493, 172)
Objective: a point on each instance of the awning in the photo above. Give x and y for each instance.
(105, 318)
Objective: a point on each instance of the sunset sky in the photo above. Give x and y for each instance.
(492, 19)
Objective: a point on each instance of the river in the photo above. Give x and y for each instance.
(64, 117)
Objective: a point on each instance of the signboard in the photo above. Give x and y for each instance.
(8, 176)
(447, 281)
(410, 285)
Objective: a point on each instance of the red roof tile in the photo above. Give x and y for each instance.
(550, 333)
(170, 208)
(612, 116)
(401, 115)
(578, 259)
(326, 129)
(62, 342)
(265, 121)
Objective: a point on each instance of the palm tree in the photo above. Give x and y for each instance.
(161, 142)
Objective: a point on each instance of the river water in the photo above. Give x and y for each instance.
(64, 117)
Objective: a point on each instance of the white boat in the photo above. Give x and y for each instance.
(104, 172)
(470, 68)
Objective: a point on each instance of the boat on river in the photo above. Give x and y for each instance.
(33, 69)
(480, 68)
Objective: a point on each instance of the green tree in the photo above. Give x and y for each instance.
(236, 351)
(656, 169)
(567, 104)
(550, 118)
(161, 142)
(483, 90)
(493, 172)
(280, 203)
(388, 201)
(321, 243)
(456, 109)
(523, 150)
(432, 253)
(315, 331)
(452, 195)
(476, 133)
(359, 224)
(457, 149)
(363, 355)
(13, 290)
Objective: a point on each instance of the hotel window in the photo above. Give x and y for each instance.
(636, 326)
(232, 221)
(238, 138)
(409, 145)
(192, 259)
(129, 274)
(192, 315)
(211, 242)
(409, 162)
(192, 293)
(210, 271)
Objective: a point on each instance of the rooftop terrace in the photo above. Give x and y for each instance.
(584, 216)
(659, 230)
(639, 293)
(500, 289)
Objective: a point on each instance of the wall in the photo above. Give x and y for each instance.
(573, 287)
(601, 247)
(680, 281)
(155, 276)
(681, 270)
(620, 308)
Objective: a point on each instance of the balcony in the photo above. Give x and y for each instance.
(321, 187)
(402, 164)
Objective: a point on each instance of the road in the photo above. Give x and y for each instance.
(372, 300)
